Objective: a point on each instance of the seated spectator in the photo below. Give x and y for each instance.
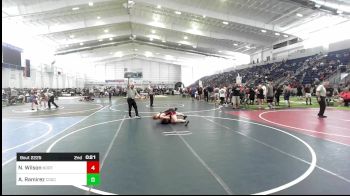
(345, 97)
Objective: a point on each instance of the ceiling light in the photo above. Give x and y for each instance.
(299, 15)
(91, 3)
(159, 6)
(285, 36)
(225, 22)
(75, 8)
(185, 37)
(67, 45)
(98, 17)
(235, 44)
(118, 54)
(168, 57)
(150, 39)
(179, 44)
(339, 11)
(317, 5)
(106, 30)
(194, 46)
(263, 30)
(153, 31)
(177, 12)
(100, 40)
(111, 38)
(148, 54)
(220, 51)
(277, 34)
(204, 16)
(81, 43)
(163, 41)
(135, 49)
(71, 36)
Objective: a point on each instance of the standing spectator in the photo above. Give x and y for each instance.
(151, 96)
(269, 94)
(300, 92)
(287, 91)
(329, 94)
(260, 95)
(264, 91)
(206, 94)
(251, 95)
(236, 96)
(200, 92)
(321, 98)
(110, 94)
(13, 96)
(222, 93)
(278, 93)
(34, 100)
(193, 93)
(307, 90)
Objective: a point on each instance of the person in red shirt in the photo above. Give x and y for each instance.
(345, 97)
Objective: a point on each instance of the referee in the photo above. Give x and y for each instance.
(321, 98)
(131, 94)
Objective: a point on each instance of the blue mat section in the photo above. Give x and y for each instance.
(20, 135)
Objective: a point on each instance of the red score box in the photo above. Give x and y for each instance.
(93, 167)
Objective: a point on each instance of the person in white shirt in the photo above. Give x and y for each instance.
(264, 91)
(222, 94)
(131, 95)
(321, 98)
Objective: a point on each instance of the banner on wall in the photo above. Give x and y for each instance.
(133, 73)
(115, 81)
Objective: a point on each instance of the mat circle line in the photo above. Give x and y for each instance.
(270, 191)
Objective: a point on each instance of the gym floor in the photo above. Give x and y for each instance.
(221, 151)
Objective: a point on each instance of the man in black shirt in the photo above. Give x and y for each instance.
(151, 95)
(236, 96)
(278, 93)
(206, 94)
(251, 95)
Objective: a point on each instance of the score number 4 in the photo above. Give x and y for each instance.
(93, 167)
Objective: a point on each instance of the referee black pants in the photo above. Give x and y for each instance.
(151, 98)
(52, 100)
(322, 103)
(132, 103)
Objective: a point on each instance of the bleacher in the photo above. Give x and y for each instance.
(303, 70)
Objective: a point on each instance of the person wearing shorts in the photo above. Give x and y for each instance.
(260, 95)
(34, 100)
(286, 92)
(269, 94)
(307, 90)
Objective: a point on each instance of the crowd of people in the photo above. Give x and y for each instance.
(40, 99)
(239, 95)
(296, 77)
(305, 70)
